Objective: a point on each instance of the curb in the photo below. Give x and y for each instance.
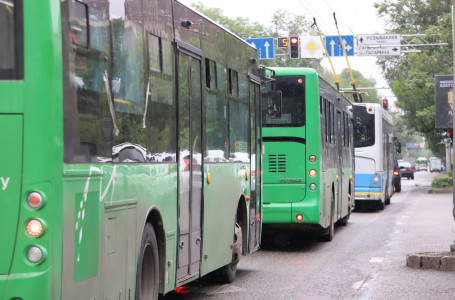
(440, 191)
(440, 261)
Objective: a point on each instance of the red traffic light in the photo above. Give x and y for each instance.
(294, 46)
(385, 104)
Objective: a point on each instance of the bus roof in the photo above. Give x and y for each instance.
(215, 23)
(293, 71)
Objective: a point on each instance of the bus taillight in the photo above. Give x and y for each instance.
(34, 200)
(313, 172)
(34, 227)
(312, 158)
(299, 217)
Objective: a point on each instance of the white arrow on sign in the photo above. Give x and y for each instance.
(266, 45)
(346, 46)
(332, 44)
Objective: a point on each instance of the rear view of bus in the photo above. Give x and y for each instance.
(374, 148)
(307, 153)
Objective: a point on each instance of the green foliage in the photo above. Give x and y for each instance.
(369, 96)
(411, 76)
(442, 182)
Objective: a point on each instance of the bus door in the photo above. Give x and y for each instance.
(255, 204)
(190, 160)
(339, 146)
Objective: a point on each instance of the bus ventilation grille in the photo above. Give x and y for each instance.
(277, 163)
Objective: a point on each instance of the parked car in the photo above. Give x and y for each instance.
(406, 169)
(396, 177)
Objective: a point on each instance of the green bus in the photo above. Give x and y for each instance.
(130, 149)
(308, 153)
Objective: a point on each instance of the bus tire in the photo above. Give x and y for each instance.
(329, 232)
(381, 204)
(387, 201)
(147, 280)
(228, 272)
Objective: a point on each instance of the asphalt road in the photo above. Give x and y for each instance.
(365, 260)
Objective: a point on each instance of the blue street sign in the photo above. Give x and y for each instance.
(264, 46)
(333, 45)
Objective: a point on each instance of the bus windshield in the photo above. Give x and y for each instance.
(292, 111)
(11, 37)
(363, 132)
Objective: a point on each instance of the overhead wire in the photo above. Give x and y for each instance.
(315, 14)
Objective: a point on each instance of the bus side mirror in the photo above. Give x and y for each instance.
(271, 104)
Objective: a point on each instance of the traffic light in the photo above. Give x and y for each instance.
(385, 104)
(450, 133)
(294, 44)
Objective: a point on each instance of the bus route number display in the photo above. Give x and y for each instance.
(282, 42)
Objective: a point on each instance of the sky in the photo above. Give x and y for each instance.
(354, 17)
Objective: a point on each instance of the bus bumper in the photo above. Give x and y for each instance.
(26, 286)
(368, 194)
(286, 213)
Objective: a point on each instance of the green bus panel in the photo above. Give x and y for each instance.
(227, 183)
(10, 185)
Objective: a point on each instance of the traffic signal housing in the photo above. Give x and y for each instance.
(385, 104)
(294, 45)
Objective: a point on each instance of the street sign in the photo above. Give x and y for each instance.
(311, 47)
(377, 50)
(264, 46)
(378, 39)
(378, 44)
(283, 42)
(333, 45)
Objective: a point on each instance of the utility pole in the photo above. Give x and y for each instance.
(452, 247)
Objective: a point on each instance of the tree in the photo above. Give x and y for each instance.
(411, 76)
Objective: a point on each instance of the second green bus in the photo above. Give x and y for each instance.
(308, 153)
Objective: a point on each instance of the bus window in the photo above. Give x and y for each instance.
(79, 28)
(11, 35)
(364, 132)
(271, 105)
(292, 104)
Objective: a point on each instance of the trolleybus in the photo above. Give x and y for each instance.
(374, 154)
(309, 153)
(129, 132)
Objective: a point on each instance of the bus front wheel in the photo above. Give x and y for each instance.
(147, 281)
